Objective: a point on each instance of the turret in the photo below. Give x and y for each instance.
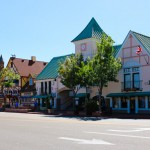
(1, 63)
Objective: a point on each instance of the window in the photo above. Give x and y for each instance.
(123, 102)
(141, 102)
(148, 102)
(45, 87)
(132, 78)
(135, 69)
(30, 81)
(115, 103)
(126, 70)
(41, 87)
(127, 81)
(50, 87)
(136, 80)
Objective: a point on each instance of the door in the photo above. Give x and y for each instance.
(132, 105)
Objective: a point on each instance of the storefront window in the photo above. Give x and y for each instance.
(123, 102)
(141, 102)
(115, 103)
(148, 102)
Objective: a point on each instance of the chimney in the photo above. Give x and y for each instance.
(33, 58)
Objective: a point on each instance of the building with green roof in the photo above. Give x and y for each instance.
(131, 94)
(92, 30)
(51, 69)
(48, 83)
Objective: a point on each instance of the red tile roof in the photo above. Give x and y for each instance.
(25, 67)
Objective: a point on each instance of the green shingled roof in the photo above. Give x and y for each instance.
(144, 40)
(116, 49)
(51, 69)
(92, 30)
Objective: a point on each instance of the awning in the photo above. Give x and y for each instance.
(128, 94)
(78, 95)
(40, 96)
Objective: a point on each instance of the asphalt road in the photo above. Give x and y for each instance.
(42, 132)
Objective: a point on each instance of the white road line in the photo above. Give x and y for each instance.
(83, 141)
(124, 135)
(134, 130)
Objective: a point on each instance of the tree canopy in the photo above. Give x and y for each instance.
(70, 71)
(7, 77)
(105, 65)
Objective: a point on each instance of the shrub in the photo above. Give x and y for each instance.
(91, 107)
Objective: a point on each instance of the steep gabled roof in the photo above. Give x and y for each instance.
(143, 39)
(28, 88)
(51, 70)
(92, 30)
(25, 67)
(116, 49)
(1, 59)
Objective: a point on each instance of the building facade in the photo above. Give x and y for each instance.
(130, 95)
(50, 91)
(24, 88)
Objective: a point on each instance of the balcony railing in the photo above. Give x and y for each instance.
(131, 86)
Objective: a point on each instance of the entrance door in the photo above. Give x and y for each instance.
(132, 106)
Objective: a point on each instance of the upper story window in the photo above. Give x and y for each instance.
(127, 70)
(30, 81)
(132, 78)
(135, 69)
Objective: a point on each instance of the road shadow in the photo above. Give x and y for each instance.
(99, 118)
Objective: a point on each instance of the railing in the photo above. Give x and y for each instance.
(11, 91)
(131, 86)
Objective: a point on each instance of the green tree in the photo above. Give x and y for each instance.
(105, 65)
(69, 72)
(7, 77)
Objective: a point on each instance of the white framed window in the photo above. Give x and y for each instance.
(115, 102)
(132, 78)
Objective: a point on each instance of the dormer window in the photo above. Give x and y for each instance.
(30, 81)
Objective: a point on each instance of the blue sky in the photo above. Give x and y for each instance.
(44, 28)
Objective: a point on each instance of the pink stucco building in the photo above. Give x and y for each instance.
(130, 95)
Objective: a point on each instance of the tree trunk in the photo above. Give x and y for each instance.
(100, 94)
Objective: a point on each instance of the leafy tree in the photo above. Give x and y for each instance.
(70, 74)
(86, 76)
(74, 73)
(7, 77)
(105, 65)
